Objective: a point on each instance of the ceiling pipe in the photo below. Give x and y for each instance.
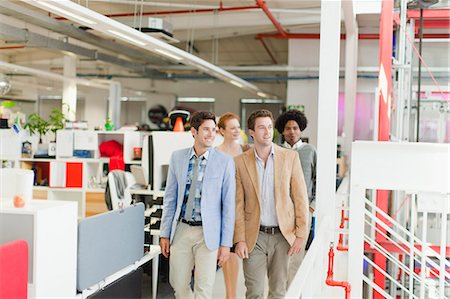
(367, 36)
(261, 4)
(184, 11)
(113, 28)
(32, 39)
(36, 18)
(282, 34)
(16, 69)
(11, 47)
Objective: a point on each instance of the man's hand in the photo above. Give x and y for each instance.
(223, 255)
(311, 210)
(296, 247)
(165, 246)
(242, 250)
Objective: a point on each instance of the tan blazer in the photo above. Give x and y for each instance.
(291, 198)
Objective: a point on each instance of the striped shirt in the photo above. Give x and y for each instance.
(196, 213)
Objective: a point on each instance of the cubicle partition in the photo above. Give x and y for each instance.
(109, 242)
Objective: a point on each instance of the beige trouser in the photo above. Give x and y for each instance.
(296, 260)
(188, 250)
(269, 257)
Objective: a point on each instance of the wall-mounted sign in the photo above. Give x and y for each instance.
(296, 107)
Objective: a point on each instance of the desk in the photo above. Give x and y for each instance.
(153, 253)
(50, 229)
(141, 192)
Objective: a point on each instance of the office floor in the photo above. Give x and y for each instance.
(165, 291)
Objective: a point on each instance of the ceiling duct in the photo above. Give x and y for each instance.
(421, 4)
(155, 27)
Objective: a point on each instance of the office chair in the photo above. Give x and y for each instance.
(117, 194)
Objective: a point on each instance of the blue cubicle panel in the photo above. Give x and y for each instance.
(109, 242)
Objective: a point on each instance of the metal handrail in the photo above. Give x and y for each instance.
(371, 241)
(423, 245)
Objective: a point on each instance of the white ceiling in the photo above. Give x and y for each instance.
(225, 38)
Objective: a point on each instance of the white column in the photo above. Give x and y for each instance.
(351, 65)
(304, 92)
(403, 78)
(115, 94)
(69, 98)
(330, 30)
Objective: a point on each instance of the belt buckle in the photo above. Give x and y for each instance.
(272, 229)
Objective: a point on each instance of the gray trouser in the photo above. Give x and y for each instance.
(269, 257)
(296, 260)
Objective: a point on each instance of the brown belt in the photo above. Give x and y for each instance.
(271, 230)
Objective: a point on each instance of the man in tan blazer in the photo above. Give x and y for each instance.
(271, 209)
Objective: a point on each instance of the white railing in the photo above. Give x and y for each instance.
(309, 281)
(414, 268)
(405, 242)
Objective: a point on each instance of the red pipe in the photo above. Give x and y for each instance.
(430, 14)
(172, 12)
(341, 246)
(368, 36)
(330, 281)
(274, 21)
(433, 24)
(11, 47)
(312, 36)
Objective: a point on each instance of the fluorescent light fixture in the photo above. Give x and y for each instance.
(235, 83)
(195, 100)
(165, 53)
(66, 13)
(252, 101)
(261, 94)
(76, 12)
(125, 37)
(261, 101)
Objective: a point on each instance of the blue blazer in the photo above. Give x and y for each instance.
(218, 197)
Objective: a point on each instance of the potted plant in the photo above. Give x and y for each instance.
(56, 122)
(36, 124)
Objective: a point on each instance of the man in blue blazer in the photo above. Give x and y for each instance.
(197, 223)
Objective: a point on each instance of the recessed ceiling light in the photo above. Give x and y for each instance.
(160, 51)
(261, 94)
(64, 12)
(125, 37)
(235, 83)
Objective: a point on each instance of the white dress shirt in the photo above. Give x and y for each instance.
(267, 189)
(296, 146)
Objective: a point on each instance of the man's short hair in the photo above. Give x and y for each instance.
(295, 115)
(199, 117)
(257, 114)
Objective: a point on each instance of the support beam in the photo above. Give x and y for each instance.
(15, 68)
(384, 121)
(24, 36)
(330, 30)
(69, 99)
(115, 95)
(33, 17)
(351, 64)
